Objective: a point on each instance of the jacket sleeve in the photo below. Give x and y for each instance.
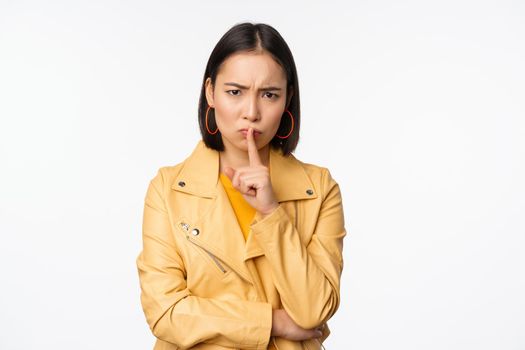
(306, 275)
(175, 315)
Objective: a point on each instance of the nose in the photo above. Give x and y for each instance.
(252, 109)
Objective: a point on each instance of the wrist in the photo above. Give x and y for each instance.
(268, 211)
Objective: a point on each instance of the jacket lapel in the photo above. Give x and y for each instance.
(219, 230)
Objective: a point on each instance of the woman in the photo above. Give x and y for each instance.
(242, 242)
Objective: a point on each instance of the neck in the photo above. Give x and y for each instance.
(236, 158)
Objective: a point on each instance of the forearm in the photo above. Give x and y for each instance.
(307, 293)
(306, 270)
(232, 323)
(176, 316)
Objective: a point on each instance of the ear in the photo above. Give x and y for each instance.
(209, 92)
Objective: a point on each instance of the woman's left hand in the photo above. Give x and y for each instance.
(253, 181)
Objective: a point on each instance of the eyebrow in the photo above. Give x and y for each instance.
(268, 88)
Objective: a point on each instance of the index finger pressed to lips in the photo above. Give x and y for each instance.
(253, 153)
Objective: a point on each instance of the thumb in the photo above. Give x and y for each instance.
(229, 172)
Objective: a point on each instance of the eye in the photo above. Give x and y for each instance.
(271, 95)
(234, 92)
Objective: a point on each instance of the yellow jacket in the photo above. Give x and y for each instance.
(204, 287)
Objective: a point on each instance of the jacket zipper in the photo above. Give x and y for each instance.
(213, 257)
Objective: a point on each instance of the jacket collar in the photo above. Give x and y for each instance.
(200, 174)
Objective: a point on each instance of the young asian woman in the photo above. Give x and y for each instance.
(243, 242)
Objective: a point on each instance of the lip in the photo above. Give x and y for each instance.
(255, 132)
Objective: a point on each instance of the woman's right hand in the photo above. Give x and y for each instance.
(283, 326)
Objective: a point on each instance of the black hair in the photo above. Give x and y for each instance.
(253, 37)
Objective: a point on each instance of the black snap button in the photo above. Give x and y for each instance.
(195, 231)
(182, 183)
(309, 192)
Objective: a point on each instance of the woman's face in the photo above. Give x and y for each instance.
(249, 91)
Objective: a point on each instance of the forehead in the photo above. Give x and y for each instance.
(251, 67)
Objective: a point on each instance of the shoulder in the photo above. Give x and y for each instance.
(320, 175)
(165, 175)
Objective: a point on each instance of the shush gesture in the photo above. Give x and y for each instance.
(253, 181)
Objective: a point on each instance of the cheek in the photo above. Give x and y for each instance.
(274, 116)
(225, 107)
(224, 116)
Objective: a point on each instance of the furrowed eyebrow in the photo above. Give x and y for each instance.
(269, 88)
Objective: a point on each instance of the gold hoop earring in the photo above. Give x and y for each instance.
(206, 119)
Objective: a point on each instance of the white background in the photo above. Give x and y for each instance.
(416, 107)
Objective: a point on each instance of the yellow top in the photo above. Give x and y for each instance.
(243, 211)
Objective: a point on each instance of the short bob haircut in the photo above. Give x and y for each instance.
(253, 37)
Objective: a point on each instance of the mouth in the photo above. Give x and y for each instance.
(255, 132)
